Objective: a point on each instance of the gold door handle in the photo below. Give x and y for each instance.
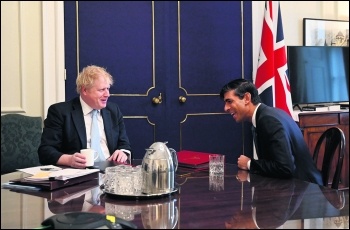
(157, 100)
(182, 99)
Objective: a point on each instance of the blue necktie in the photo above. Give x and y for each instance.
(95, 137)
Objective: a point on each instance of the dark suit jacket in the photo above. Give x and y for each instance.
(281, 147)
(64, 130)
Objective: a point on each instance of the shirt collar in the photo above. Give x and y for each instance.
(254, 115)
(85, 107)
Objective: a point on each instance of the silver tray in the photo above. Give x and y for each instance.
(141, 196)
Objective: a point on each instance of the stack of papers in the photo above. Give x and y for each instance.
(37, 169)
(49, 177)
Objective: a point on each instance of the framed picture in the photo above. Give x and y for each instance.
(320, 32)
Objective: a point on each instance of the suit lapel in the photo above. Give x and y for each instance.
(255, 143)
(78, 120)
(107, 121)
(256, 137)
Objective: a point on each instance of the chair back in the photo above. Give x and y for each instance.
(331, 140)
(20, 139)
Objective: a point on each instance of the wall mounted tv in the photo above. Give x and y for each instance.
(318, 74)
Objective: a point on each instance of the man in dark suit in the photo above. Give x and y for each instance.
(68, 124)
(280, 146)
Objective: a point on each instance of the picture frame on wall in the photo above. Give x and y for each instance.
(324, 32)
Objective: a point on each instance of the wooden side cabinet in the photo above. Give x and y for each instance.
(313, 124)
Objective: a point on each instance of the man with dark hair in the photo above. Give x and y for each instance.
(280, 147)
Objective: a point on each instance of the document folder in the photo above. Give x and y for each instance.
(193, 159)
(61, 195)
(56, 184)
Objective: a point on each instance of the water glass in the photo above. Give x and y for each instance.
(110, 179)
(125, 183)
(216, 164)
(123, 180)
(137, 177)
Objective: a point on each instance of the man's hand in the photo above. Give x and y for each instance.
(243, 162)
(118, 156)
(76, 160)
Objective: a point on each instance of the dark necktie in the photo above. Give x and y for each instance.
(255, 142)
(95, 136)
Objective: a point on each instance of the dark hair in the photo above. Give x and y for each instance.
(240, 87)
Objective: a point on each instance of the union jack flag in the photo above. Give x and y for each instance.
(271, 77)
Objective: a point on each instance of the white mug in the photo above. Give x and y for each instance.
(91, 155)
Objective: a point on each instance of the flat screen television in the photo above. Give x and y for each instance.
(318, 74)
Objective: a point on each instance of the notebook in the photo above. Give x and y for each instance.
(193, 159)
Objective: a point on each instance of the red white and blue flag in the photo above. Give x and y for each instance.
(271, 77)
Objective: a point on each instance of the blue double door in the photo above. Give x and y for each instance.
(169, 61)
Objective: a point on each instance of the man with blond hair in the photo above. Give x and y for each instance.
(68, 124)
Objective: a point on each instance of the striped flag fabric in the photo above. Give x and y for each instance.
(271, 77)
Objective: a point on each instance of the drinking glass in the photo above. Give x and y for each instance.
(110, 179)
(216, 164)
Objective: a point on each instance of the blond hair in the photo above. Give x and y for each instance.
(89, 74)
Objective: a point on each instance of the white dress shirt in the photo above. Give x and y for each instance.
(88, 119)
(254, 124)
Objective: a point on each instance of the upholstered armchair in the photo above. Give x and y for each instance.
(20, 139)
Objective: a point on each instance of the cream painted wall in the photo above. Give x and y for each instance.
(32, 56)
(21, 58)
(31, 76)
